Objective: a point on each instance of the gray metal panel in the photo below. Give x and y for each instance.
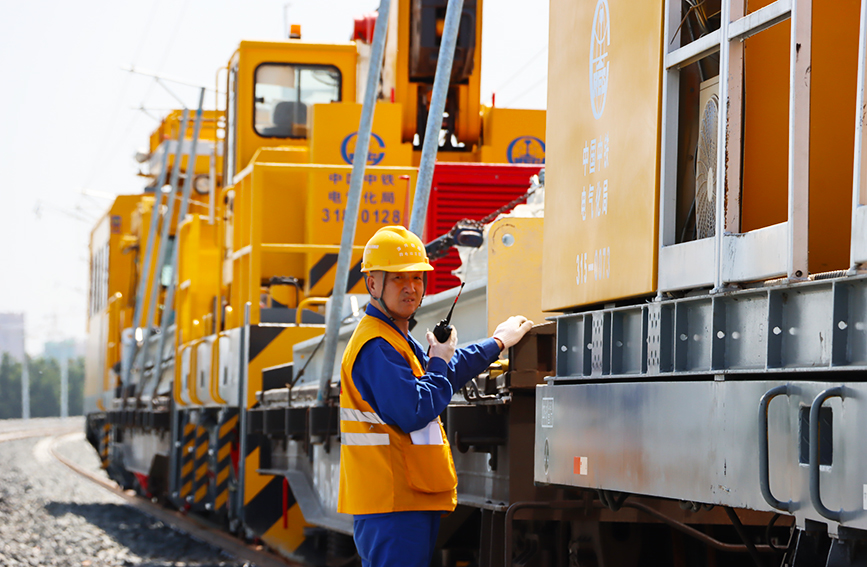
(478, 485)
(140, 447)
(315, 487)
(789, 327)
(698, 441)
(852, 324)
(744, 330)
(628, 347)
(693, 332)
(806, 326)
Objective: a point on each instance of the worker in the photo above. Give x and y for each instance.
(397, 476)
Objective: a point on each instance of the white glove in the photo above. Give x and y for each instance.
(512, 330)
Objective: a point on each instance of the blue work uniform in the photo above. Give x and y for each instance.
(386, 382)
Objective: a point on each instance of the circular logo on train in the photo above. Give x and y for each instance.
(600, 41)
(526, 149)
(375, 150)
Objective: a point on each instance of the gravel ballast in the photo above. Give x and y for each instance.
(49, 515)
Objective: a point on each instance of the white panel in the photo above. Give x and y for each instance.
(228, 378)
(693, 51)
(859, 235)
(686, 265)
(185, 376)
(760, 20)
(203, 372)
(755, 255)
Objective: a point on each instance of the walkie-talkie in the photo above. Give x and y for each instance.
(443, 330)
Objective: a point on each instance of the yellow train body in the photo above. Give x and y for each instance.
(257, 254)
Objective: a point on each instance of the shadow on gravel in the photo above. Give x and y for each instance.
(157, 544)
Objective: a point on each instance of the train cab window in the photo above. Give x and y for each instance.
(285, 92)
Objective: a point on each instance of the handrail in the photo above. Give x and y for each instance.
(221, 243)
(304, 303)
(815, 496)
(764, 464)
(113, 328)
(304, 248)
(215, 369)
(289, 249)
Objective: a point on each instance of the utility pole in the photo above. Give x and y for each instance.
(25, 387)
(64, 385)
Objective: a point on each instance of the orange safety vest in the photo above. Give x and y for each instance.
(381, 470)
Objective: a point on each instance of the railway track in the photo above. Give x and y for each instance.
(189, 525)
(36, 432)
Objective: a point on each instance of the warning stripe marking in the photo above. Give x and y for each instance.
(224, 453)
(579, 465)
(222, 476)
(221, 500)
(227, 427)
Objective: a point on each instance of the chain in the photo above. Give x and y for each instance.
(508, 206)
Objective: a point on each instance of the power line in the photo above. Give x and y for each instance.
(118, 142)
(517, 73)
(530, 88)
(120, 98)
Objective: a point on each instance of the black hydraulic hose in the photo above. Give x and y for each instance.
(680, 526)
(773, 521)
(692, 532)
(739, 527)
(612, 502)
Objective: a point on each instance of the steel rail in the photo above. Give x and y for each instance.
(193, 527)
(38, 432)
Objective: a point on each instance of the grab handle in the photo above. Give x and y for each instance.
(764, 466)
(815, 496)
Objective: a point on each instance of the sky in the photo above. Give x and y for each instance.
(71, 118)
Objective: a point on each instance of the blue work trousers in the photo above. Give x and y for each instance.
(398, 539)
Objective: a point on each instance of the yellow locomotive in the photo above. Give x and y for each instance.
(699, 243)
(202, 285)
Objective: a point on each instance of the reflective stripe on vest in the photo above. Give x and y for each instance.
(364, 439)
(349, 414)
(381, 469)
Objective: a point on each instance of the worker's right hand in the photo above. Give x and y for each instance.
(444, 350)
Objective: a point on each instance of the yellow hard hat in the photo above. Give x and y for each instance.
(395, 249)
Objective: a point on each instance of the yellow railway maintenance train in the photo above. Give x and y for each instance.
(698, 245)
(202, 285)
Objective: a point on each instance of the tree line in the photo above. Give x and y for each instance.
(44, 387)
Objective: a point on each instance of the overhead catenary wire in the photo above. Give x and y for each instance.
(529, 89)
(524, 67)
(98, 156)
(113, 144)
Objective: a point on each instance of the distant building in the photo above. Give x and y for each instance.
(12, 335)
